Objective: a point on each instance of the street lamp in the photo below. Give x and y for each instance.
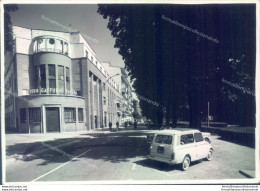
(110, 78)
(102, 96)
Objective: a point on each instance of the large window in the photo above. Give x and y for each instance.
(198, 137)
(34, 115)
(50, 44)
(68, 80)
(61, 79)
(41, 44)
(80, 115)
(23, 115)
(43, 77)
(69, 115)
(52, 78)
(187, 139)
(52, 70)
(52, 86)
(59, 46)
(163, 139)
(66, 49)
(36, 76)
(105, 100)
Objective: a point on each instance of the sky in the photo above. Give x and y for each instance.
(83, 18)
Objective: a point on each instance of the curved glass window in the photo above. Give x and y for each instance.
(41, 44)
(66, 49)
(59, 46)
(50, 44)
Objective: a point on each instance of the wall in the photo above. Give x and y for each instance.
(50, 100)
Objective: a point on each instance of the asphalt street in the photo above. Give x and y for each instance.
(116, 156)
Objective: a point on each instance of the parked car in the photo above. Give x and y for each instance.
(180, 146)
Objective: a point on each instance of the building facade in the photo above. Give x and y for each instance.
(55, 83)
(127, 100)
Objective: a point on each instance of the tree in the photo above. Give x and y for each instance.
(136, 111)
(180, 69)
(9, 41)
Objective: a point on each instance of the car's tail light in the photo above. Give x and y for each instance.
(172, 156)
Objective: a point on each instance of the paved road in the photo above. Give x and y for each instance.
(117, 156)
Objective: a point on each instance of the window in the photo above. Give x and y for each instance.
(198, 137)
(59, 46)
(23, 115)
(80, 114)
(50, 44)
(41, 44)
(52, 86)
(164, 139)
(61, 79)
(36, 73)
(43, 76)
(69, 115)
(87, 54)
(51, 68)
(104, 100)
(92, 59)
(52, 78)
(66, 49)
(186, 139)
(68, 79)
(34, 115)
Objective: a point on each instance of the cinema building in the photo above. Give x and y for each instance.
(54, 83)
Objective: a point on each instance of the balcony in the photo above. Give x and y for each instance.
(50, 44)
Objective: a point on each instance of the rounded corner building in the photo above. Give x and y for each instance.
(54, 83)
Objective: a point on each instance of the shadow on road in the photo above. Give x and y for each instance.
(163, 166)
(157, 165)
(113, 147)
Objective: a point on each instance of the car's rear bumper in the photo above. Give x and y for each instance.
(160, 159)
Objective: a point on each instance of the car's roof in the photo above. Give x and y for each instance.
(178, 131)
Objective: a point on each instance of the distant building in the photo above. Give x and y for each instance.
(55, 83)
(127, 101)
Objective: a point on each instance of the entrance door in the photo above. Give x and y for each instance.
(95, 122)
(52, 119)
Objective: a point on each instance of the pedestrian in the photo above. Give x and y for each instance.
(110, 125)
(135, 125)
(125, 125)
(117, 125)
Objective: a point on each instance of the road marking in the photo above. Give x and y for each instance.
(59, 166)
(133, 166)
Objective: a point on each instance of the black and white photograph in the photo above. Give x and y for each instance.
(130, 93)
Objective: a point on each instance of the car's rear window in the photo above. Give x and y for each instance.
(164, 139)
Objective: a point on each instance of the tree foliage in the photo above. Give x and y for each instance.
(181, 70)
(9, 41)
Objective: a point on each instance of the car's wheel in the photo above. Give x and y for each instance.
(186, 163)
(210, 155)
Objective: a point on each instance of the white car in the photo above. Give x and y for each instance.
(180, 146)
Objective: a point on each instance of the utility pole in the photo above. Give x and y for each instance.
(208, 115)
